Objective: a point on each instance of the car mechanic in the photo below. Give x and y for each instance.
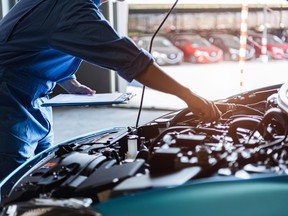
(42, 43)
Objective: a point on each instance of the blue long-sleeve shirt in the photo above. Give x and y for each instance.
(43, 42)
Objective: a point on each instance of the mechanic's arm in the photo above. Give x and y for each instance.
(154, 77)
(72, 86)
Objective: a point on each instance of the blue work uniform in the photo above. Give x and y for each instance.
(43, 42)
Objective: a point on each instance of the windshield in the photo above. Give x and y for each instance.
(274, 39)
(162, 42)
(231, 41)
(157, 42)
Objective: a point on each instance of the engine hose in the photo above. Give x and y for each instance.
(276, 116)
(243, 122)
(228, 108)
(180, 116)
(225, 108)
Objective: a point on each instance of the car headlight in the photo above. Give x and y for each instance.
(233, 51)
(277, 50)
(163, 55)
(200, 53)
(158, 54)
(155, 54)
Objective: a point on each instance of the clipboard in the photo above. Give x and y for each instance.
(82, 100)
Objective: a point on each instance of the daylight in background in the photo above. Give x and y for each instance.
(196, 30)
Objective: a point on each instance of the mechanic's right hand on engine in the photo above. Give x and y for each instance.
(205, 109)
(154, 77)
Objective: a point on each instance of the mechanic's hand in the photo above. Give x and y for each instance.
(72, 86)
(82, 89)
(205, 109)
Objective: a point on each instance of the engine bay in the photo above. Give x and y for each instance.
(248, 141)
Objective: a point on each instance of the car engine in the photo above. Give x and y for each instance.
(248, 141)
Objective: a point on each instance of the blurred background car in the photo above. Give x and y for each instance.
(276, 48)
(164, 52)
(230, 45)
(282, 33)
(197, 49)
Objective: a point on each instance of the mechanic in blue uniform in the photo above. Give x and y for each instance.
(42, 42)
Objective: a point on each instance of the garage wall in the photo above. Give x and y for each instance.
(5, 6)
(201, 20)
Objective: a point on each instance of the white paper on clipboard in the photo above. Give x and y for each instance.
(95, 99)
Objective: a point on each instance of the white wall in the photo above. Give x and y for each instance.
(5, 6)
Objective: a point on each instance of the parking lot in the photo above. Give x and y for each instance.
(213, 81)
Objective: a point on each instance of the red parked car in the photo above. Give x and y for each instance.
(276, 48)
(197, 49)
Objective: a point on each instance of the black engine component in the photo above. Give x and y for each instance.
(249, 140)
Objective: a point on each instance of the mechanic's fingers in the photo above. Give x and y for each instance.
(211, 114)
(85, 90)
(217, 112)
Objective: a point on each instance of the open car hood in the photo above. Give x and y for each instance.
(175, 164)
